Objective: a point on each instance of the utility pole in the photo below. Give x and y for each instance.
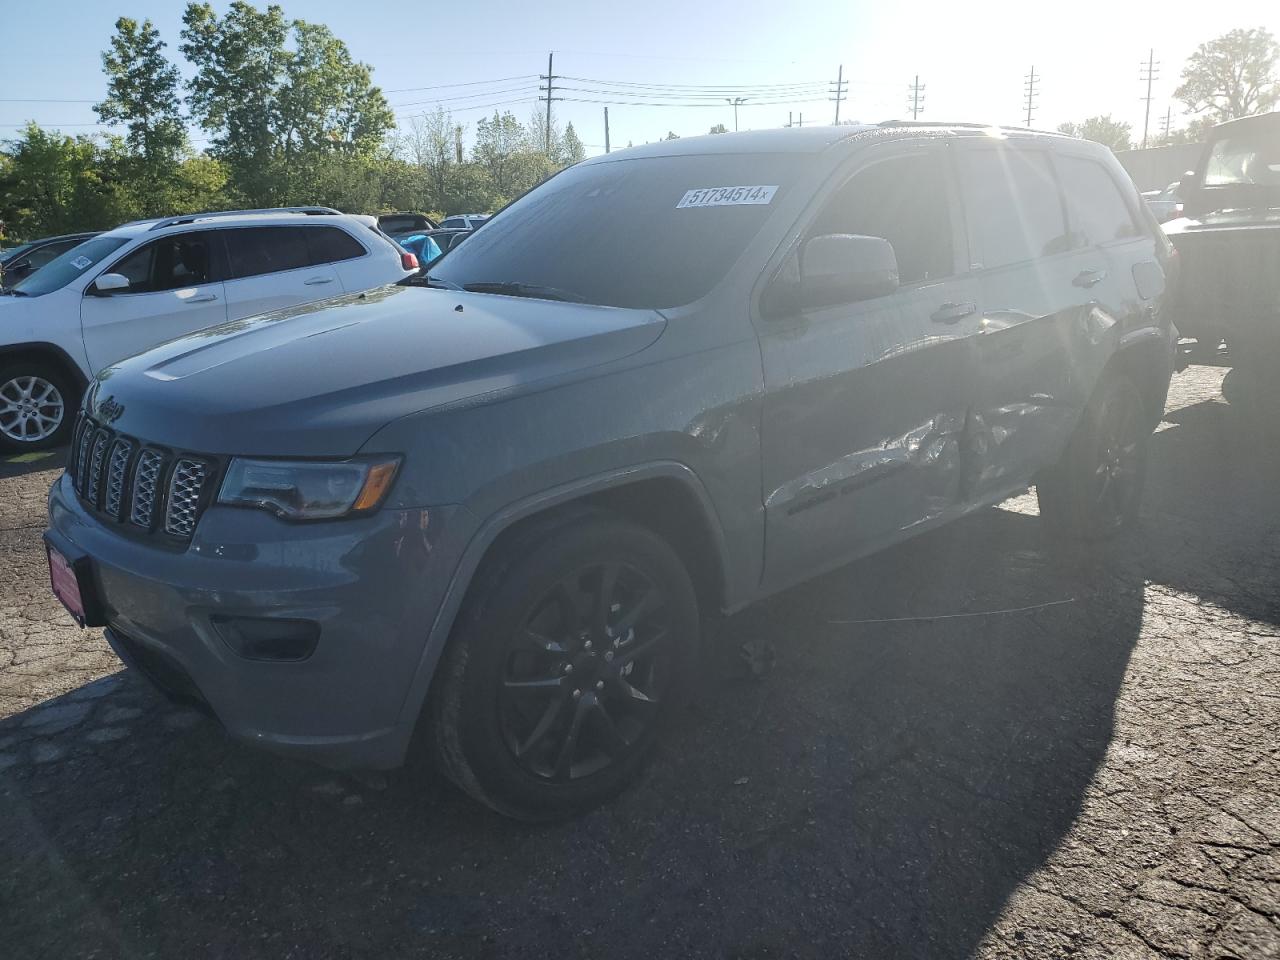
(1150, 70)
(789, 123)
(551, 78)
(1030, 94)
(606, 129)
(801, 123)
(1167, 124)
(915, 100)
(736, 101)
(457, 142)
(840, 84)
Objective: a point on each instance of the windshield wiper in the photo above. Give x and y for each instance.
(512, 288)
(445, 284)
(13, 292)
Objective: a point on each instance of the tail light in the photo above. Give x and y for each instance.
(408, 261)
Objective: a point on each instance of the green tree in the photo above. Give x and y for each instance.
(142, 94)
(278, 115)
(571, 148)
(500, 140)
(671, 135)
(239, 62)
(1115, 134)
(53, 183)
(1232, 76)
(719, 128)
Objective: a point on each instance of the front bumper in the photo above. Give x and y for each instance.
(373, 585)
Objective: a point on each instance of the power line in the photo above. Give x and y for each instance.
(633, 103)
(466, 96)
(840, 84)
(445, 86)
(1030, 94)
(654, 95)
(915, 98)
(1150, 70)
(477, 106)
(711, 87)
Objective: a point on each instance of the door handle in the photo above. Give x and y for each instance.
(1089, 278)
(203, 298)
(316, 281)
(953, 312)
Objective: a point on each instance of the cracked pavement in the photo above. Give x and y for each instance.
(1098, 778)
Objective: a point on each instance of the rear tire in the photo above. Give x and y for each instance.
(571, 657)
(1094, 491)
(38, 403)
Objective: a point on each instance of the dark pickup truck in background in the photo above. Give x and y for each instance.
(1228, 242)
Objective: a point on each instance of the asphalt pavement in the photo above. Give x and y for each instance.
(967, 746)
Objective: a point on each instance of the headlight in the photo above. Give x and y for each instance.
(302, 490)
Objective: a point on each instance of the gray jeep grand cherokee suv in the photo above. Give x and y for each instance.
(489, 509)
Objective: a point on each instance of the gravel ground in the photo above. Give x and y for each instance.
(1099, 777)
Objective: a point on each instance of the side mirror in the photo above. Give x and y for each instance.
(845, 267)
(110, 282)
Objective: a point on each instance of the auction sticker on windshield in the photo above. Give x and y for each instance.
(81, 262)
(726, 196)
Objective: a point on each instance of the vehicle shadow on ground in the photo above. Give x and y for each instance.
(19, 465)
(880, 792)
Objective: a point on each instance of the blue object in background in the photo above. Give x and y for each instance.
(422, 246)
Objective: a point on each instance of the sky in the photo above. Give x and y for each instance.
(654, 59)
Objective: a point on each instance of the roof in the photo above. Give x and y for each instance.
(229, 218)
(813, 139)
(1260, 120)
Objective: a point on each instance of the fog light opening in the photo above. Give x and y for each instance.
(267, 638)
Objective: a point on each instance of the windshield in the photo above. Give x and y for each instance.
(1251, 158)
(646, 233)
(70, 265)
(12, 252)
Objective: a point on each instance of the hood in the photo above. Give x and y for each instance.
(319, 380)
(1243, 218)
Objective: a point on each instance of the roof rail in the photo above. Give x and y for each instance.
(965, 125)
(193, 217)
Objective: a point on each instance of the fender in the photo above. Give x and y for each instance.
(43, 346)
(490, 529)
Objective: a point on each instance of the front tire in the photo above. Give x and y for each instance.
(1095, 490)
(38, 403)
(573, 653)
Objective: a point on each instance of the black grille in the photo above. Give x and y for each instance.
(185, 486)
(146, 484)
(151, 487)
(117, 469)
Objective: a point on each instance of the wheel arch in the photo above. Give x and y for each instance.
(45, 353)
(1146, 357)
(664, 496)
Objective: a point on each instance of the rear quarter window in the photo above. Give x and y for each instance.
(1099, 213)
(331, 245)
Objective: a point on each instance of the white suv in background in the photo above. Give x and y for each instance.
(154, 280)
(464, 221)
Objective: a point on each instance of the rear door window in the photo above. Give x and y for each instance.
(254, 251)
(331, 245)
(1013, 207)
(1098, 210)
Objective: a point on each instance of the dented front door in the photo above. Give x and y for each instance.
(864, 423)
